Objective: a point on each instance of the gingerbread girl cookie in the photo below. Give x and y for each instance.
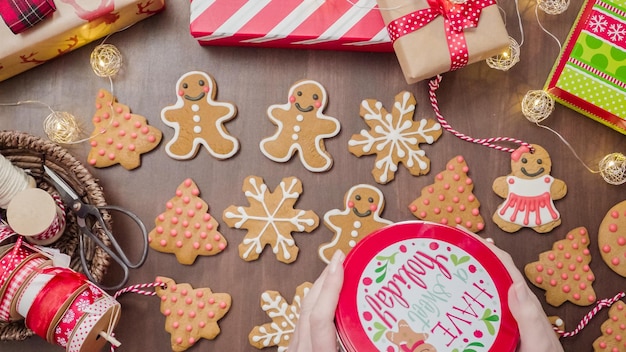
(198, 119)
(361, 216)
(302, 127)
(529, 192)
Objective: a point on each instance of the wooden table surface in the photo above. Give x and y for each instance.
(477, 100)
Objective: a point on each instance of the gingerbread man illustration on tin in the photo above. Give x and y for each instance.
(302, 127)
(361, 216)
(198, 119)
(529, 192)
(409, 340)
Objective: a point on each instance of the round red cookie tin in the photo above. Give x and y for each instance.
(420, 286)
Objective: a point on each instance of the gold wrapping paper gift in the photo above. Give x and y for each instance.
(424, 53)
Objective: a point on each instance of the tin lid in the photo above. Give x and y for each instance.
(419, 286)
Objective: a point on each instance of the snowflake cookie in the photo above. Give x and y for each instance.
(284, 318)
(394, 137)
(270, 218)
(190, 314)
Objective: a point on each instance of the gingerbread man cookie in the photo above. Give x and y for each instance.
(302, 127)
(612, 238)
(190, 314)
(529, 192)
(361, 216)
(198, 119)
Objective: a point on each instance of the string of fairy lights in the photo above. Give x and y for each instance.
(537, 105)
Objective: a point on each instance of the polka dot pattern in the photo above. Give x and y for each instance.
(191, 314)
(564, 271)
(457, 18)
(613, 337)
(449, 200)
(612, 238)
(186, 228)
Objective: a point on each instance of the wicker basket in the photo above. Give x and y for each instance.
(30, 152)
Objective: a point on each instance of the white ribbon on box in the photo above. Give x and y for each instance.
(305, 9)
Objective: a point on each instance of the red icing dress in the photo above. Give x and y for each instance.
(529, 202)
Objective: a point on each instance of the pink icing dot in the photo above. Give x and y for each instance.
(159, 229)
(460, 189)
(458, 220)
(199, 205)
(221, 246)
(292, 99)
(202, 324)
(203, 235)
(102, 152)
(179, 244)
(613, 227)
(211, 314)
(223, 305)
(127, 116)
(449, 209)
(412, 208)
(450, 167)
(471, 198)
(111, 156)
(132, 147)
(191, 213)
(119, 146)
(606, 248)
(174, 220)
(614, 214)
(94, 143)
(468, 181)
(621, 240)
(179, 340)
(511, 181)
(217, 237)
(439, 176)
(444, 221)
(436, 210)
(566, 289)
(151, 139)
(145, 130)
(196, 245)
(187, 234)
(459, 159)
(434, 245)
(430, 189)
(163, 243)
(446, 186)
(462, 207)
(552, 282)
(455, 199)
(539, 280)
(179, 193)
(178, 211)
(115, 124)
(615, 261)
(208, 247)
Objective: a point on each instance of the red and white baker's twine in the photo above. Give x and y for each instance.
(139, 289)
(603, 303)
(487, 142)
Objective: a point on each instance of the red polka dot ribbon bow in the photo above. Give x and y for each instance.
(457, 18)
(23, 14)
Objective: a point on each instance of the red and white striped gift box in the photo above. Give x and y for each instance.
(306, 24)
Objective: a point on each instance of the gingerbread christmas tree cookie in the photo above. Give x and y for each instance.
(270, 219)
(190, 314)
(186, 228)
(612, 238)
(119, 137)
(450, 200)
(613, 330)
(198, 119)
(394, 137)
(284, 318)
(564, 271)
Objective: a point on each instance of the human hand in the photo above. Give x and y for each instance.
(315, 330)
(536, 332)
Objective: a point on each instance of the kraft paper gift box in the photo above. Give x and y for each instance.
(73, 24)
(304, 24)
(589, 75)
(423, 52)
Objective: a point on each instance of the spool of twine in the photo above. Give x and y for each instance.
(35, 214)
(30, 152)
(12, 181)
(58, 304)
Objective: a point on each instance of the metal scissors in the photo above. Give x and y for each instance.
(83, 211)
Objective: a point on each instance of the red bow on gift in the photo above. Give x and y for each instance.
(457, 17)
(21, 15)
